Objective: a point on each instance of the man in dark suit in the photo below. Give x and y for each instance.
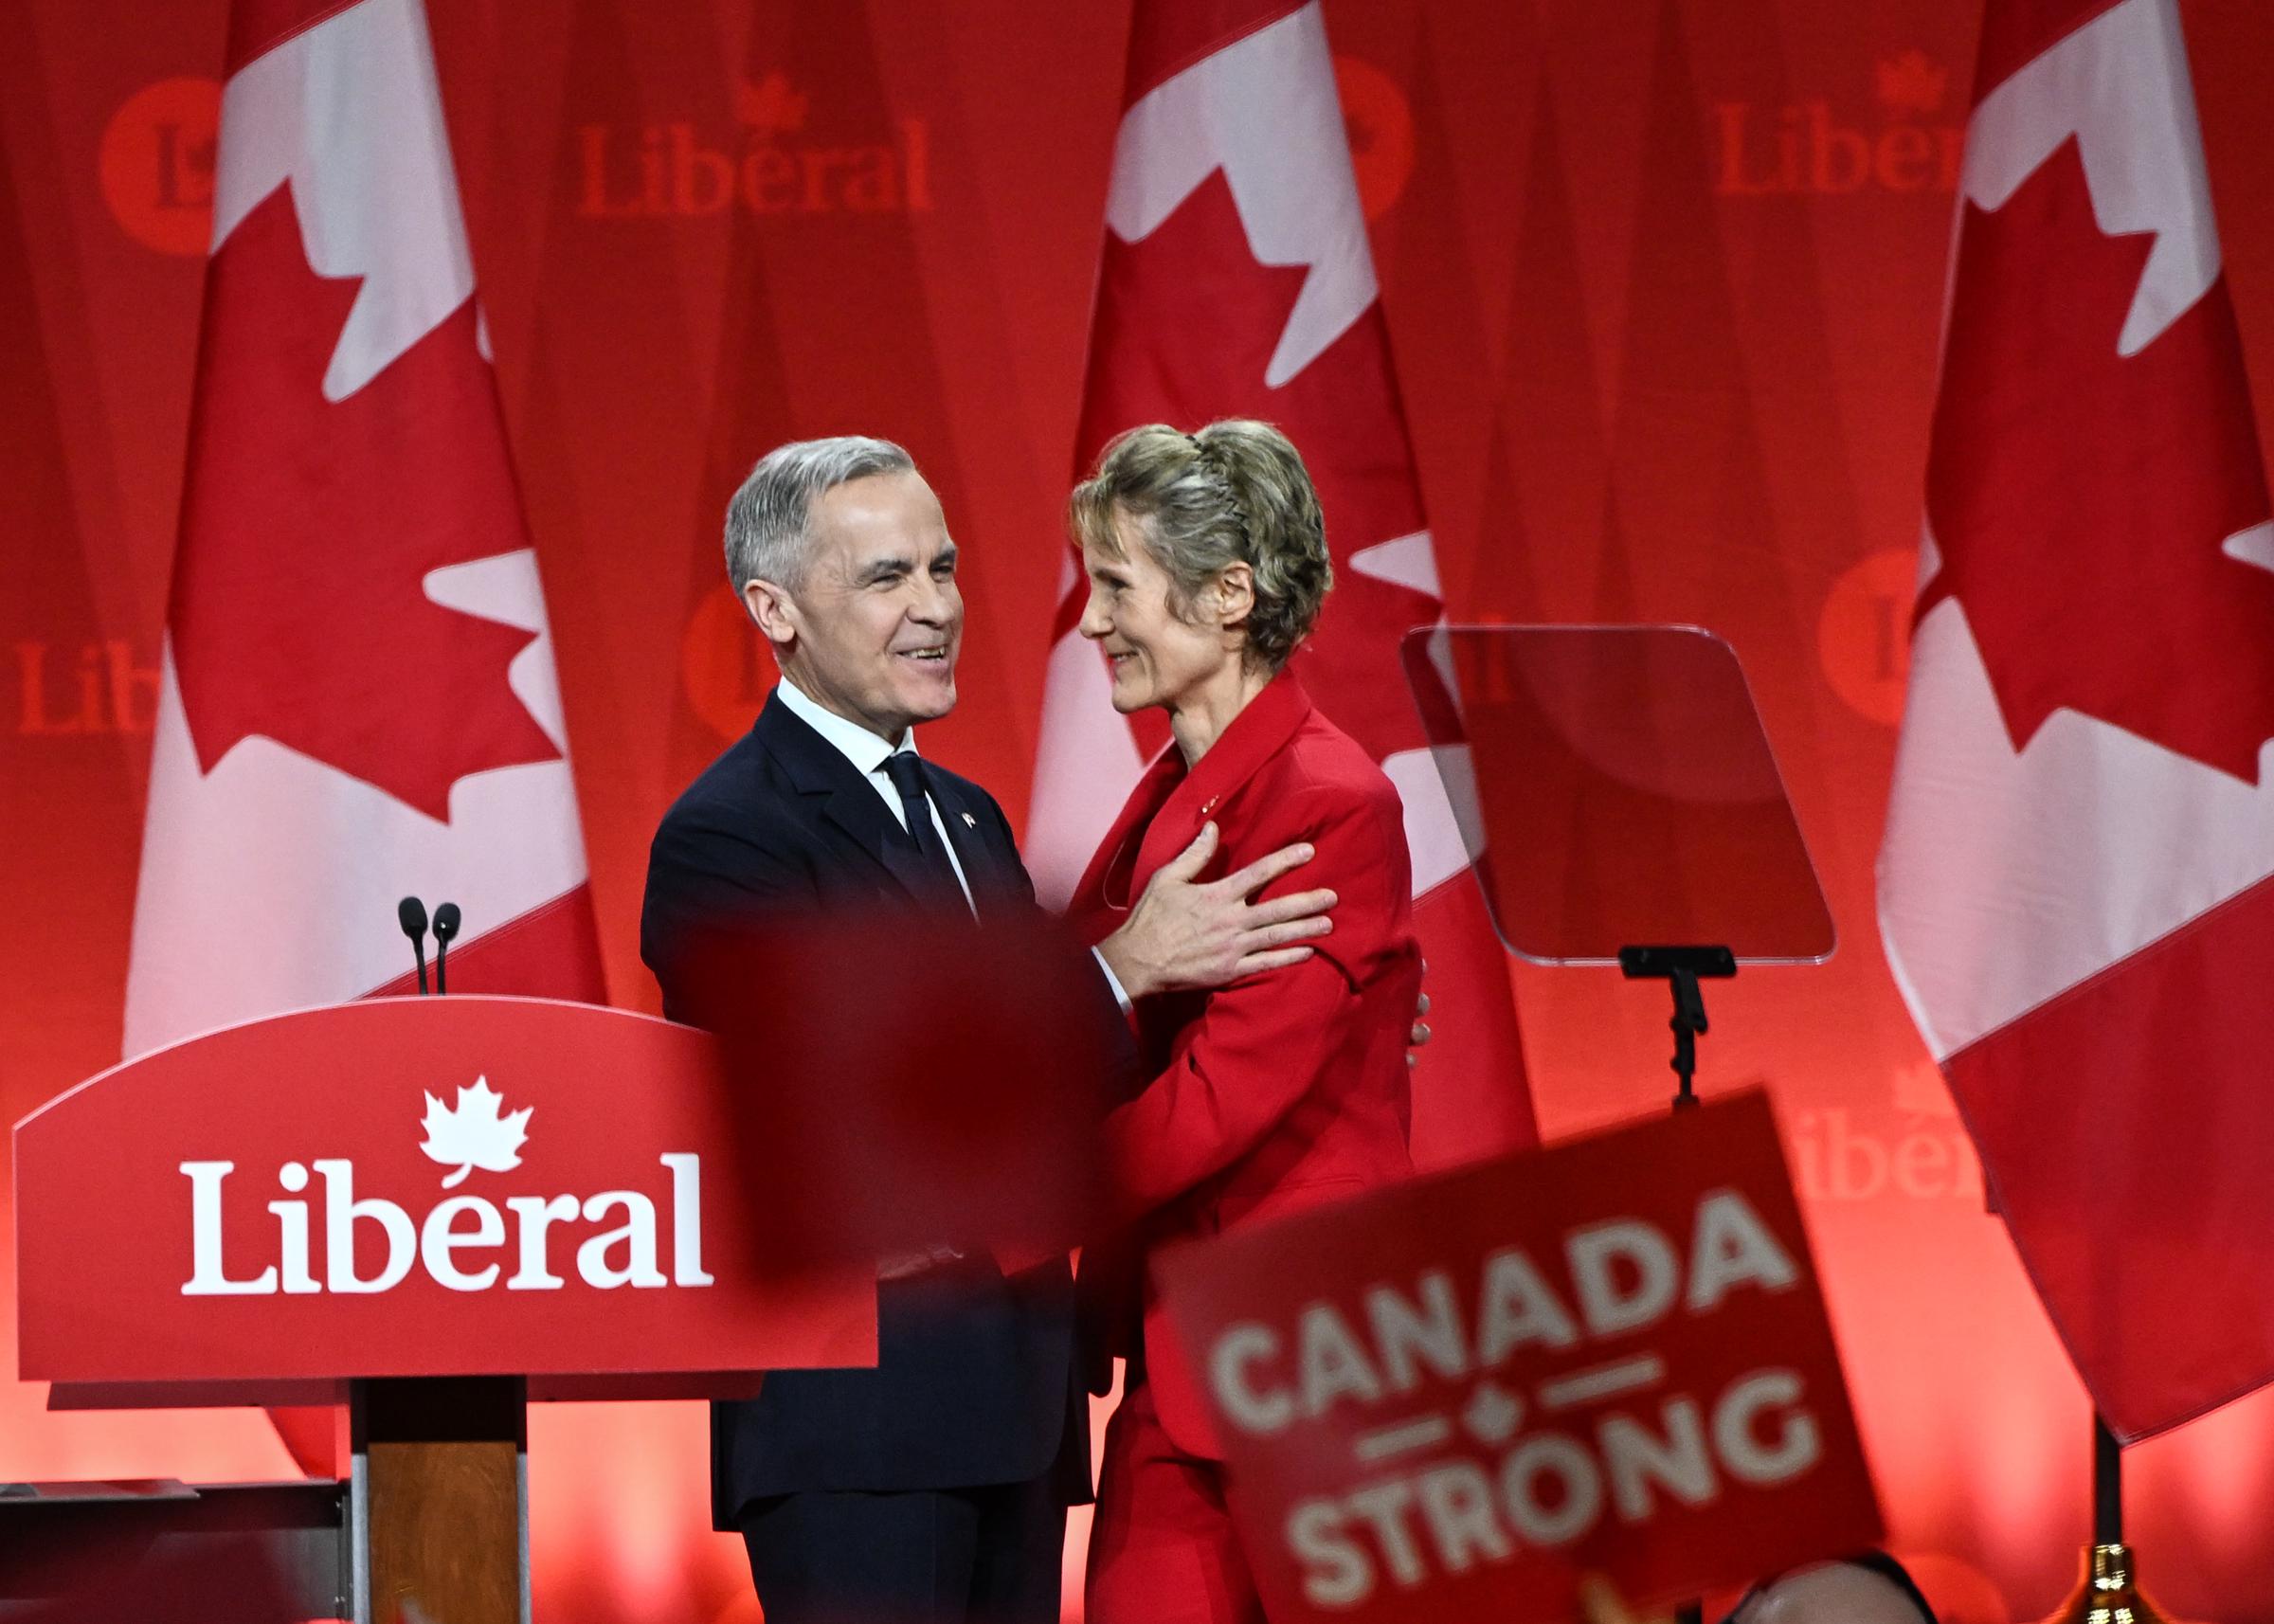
(933, 1488)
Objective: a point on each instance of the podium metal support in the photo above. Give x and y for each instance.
(439, 1489)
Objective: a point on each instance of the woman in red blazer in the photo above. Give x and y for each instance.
(1207, 563)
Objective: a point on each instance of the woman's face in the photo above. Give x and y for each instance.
(1157, 658)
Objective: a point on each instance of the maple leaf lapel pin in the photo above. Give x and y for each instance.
(473, 1134)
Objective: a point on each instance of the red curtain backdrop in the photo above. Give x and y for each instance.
(1664, 278)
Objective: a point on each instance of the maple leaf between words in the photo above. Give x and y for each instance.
(474, 1135)
(2081, 497)
(300, 612)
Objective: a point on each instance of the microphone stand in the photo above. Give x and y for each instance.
(410, 914)
(446, 920)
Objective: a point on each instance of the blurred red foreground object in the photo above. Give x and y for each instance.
(901, 1086)
(1456, 1398)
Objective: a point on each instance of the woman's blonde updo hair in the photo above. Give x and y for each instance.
(1235, 493)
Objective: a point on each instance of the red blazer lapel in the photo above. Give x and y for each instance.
(1256, 734)
(1164, 812)
(1104, 894)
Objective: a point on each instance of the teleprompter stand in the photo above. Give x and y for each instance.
(1682, 968)
(1620, 806)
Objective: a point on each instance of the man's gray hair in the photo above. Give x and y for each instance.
(768, 520)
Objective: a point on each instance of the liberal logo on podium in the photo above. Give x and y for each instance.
(472, 1135)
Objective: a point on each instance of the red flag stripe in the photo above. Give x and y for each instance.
(2018, 33)
(1166, 40)
(259, 26)
(2125, 1129)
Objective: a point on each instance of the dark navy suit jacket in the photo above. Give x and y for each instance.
(976, 1380)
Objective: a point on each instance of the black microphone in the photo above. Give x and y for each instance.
(446, 930)
(411, 914)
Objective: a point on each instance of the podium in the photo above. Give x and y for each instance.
(432, 1211)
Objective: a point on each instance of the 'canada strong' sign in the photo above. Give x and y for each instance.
(1456, 1398)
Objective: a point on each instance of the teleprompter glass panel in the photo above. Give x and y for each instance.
(1615, 788)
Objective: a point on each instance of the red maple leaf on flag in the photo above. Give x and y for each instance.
(2079, 497)
(1187, 322)
(300, 612)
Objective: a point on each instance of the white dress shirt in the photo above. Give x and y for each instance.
(868, 753)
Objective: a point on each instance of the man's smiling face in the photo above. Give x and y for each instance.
(876, 613)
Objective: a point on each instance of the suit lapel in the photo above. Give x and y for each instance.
(860, 812)
(971, 832)
(968, 833)
(820, 772)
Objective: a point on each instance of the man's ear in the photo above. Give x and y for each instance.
(775, 614)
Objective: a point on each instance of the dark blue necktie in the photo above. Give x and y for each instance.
(906, 770)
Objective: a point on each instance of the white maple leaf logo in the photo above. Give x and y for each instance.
(474, 1135)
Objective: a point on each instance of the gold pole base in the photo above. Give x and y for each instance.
(2110, 1593)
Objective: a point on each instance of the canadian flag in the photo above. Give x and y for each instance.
(358, 698)
(2073, 891)
(1236, 281)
